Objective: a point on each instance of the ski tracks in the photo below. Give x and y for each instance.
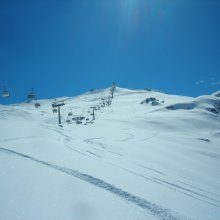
(158, 211)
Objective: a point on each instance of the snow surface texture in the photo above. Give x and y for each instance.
(135, 161)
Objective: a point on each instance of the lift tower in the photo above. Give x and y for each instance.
(58, 105)
(93, 112)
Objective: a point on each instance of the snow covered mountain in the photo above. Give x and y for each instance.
(148, 155)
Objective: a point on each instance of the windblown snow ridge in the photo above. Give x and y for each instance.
(152, 208)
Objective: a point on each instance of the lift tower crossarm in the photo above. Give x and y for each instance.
(54, 105)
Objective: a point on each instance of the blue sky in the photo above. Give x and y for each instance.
(67, 47)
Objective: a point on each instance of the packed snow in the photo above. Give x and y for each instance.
(136, 160)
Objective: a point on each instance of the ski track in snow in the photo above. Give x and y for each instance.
(129, 137)
(92, 141)
(171, 185)
(154, 209)
(21, 138)
(148, 138)
(175, 185)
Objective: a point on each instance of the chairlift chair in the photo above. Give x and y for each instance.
(68, 121)
(54, 110)
(6, 93)
(78, 122)
(70, 114)
(37, 105)
(31, 95)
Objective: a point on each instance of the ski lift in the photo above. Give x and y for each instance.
(78, 122)
(6, 93)
(31, 95)
(54, 110)
(68, 121)
(37, 105)
(70, 114)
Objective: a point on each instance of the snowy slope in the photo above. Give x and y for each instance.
(135, 161)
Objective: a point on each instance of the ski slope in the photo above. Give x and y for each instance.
(135, 161)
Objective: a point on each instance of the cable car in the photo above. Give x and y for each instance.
(6, 93)
(31, 95)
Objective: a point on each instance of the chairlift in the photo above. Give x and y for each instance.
(78, 119)
(68, 121)
(70, 114)
(54, 110)
(37, 105)
(6, 93)
(31, 95)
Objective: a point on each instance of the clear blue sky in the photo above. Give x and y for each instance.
(67, 47)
